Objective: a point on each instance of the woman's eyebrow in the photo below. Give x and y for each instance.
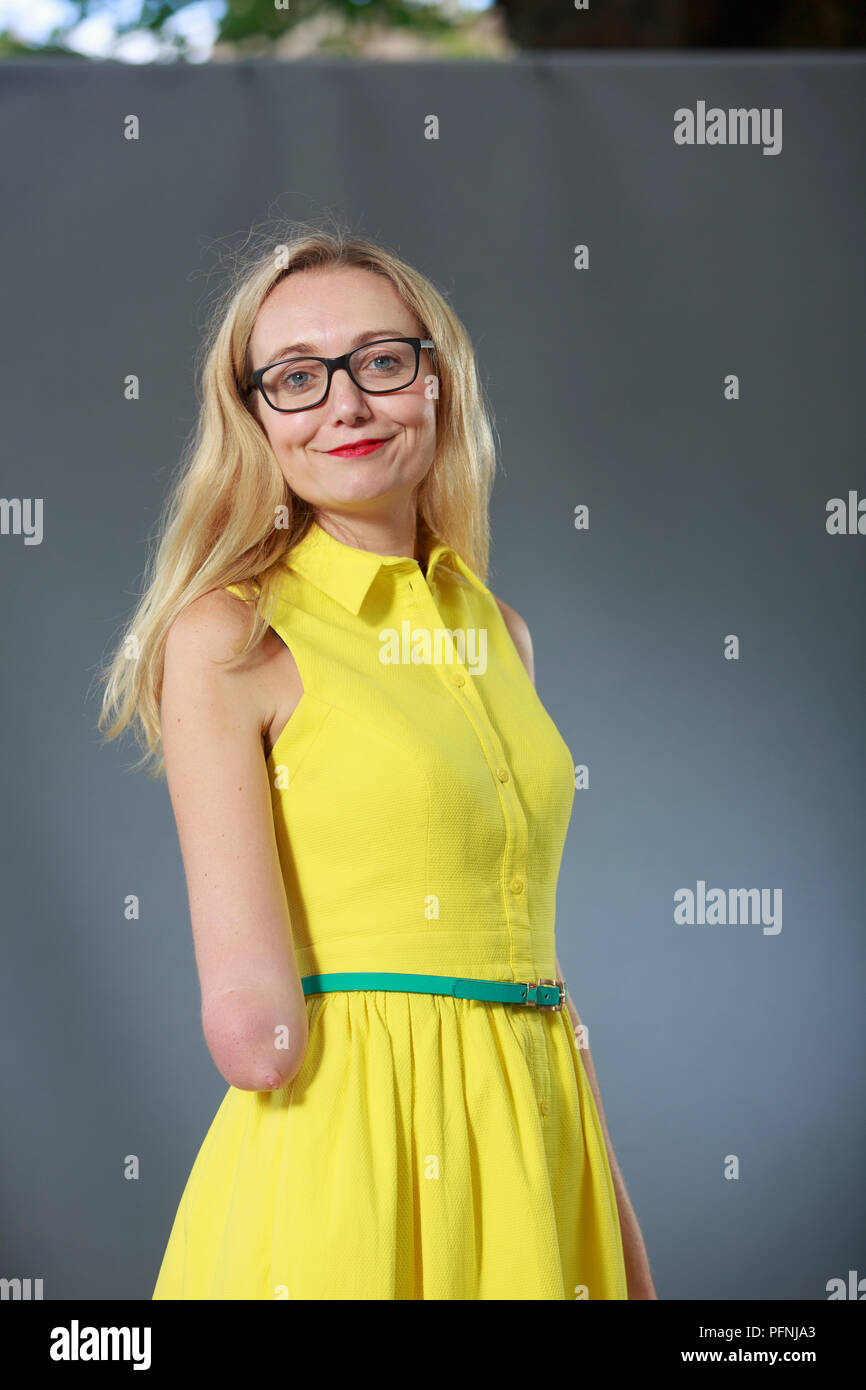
(279, 353)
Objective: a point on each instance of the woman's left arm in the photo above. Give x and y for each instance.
(640, 1284)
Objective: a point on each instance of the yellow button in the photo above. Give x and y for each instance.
(517, 885)
(545, 1107)
(502, 774)
(459, 678)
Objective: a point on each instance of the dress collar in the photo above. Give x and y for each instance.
(345, 572)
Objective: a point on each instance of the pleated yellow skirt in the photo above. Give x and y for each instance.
(429, 1148)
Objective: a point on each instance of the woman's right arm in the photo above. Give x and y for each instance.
(253, 1010)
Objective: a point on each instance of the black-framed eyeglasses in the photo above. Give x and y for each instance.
(300, 383)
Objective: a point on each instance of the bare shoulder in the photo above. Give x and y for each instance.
(519, 633)
(210, 627)
(259, 690)
(213, 628)
(199, 673)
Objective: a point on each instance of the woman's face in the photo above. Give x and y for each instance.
(334, 310)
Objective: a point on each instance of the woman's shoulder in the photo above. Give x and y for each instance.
(210, 625)
(204, 669)
(519, 633)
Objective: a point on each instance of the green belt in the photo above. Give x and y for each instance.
(544, 994)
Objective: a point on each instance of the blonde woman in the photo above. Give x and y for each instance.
(371, 804)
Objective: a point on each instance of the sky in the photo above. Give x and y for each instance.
(33, 20)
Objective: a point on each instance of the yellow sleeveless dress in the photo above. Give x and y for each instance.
(429, 1147)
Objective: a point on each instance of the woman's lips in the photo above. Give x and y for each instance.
(351, 451)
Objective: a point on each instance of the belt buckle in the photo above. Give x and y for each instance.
(555, 1007)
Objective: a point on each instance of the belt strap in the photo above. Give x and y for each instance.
(543, 994)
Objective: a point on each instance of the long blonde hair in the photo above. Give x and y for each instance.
(218, 524)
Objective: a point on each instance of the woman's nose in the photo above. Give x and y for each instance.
(344, 395)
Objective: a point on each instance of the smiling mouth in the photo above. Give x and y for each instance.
(364, 446)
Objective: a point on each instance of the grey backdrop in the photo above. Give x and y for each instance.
(707, 517)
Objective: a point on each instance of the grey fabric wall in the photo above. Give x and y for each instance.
(707, 518)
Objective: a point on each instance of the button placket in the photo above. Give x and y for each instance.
(513, 868)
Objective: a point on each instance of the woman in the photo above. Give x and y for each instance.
(371, 803)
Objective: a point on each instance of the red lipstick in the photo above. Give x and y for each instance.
(357, 450)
